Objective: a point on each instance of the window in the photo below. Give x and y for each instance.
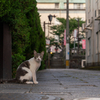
(78, 6)
(95, 14)
(98, 42)
(89, 46)
(56, 5)
(89, 4)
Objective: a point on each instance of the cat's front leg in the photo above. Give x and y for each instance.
(34, 78)
(36, 82)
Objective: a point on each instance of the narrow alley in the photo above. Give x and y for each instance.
(56, 84)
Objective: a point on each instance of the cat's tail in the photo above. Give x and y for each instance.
(8, 81)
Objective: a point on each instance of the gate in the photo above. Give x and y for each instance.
(76, 57)
(57, 60)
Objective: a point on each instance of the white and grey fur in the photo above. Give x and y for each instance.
(26, 71)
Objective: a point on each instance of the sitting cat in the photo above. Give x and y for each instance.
(26, 71)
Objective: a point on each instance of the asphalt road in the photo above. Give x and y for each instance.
(56, 84)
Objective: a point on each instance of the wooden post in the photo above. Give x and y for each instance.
(44, 26)
(5, 52)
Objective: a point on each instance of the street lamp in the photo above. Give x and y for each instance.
(50, 19)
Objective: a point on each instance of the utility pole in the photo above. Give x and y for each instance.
(67, 34)
(78, 36)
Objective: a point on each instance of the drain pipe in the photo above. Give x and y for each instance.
(82, 63)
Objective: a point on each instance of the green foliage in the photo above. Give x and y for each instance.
(59, 29)
(27, 34)
(16, 60)
(4, 7)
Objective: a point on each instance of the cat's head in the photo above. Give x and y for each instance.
(38, 56)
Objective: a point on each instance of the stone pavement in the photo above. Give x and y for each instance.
(56, 84)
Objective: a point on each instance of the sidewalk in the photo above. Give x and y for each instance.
(55, 84)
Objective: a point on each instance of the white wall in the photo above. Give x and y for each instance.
(94, 57)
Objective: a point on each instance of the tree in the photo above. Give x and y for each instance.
(59, 29)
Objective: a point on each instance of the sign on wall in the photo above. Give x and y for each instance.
(83, 44)
(75, 33)
(47, 42)
(56, 38)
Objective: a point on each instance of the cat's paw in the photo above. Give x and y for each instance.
(29, 82)
(36, 82)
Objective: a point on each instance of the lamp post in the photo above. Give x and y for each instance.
(50, 19)
(67, 34)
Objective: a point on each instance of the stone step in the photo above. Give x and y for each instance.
(57, 67)
(57, 64)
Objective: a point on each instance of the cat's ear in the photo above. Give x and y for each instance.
(35, 52)
(42, 53)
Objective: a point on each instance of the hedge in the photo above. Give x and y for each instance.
(27, 35)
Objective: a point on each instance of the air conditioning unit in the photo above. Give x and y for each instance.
(98, 4)
(83, 26)
(87, 26)
(98, 14)
(91, 20)
(88, 23)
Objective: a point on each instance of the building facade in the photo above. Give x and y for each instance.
(58, 8)
(92, 30)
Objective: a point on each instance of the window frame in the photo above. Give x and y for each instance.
(78, 6)
(56, 5)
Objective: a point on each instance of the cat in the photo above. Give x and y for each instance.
(26, 71)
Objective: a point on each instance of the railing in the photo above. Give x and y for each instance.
(76, 57)
(75, 52)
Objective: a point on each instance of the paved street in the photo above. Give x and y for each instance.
(56, 84)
